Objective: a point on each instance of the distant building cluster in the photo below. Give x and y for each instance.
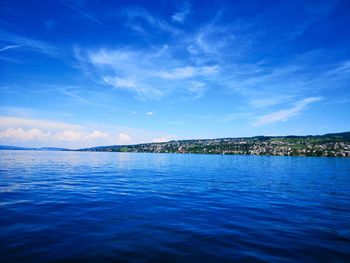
(327, 146)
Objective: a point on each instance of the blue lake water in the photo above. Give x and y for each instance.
(127, 207)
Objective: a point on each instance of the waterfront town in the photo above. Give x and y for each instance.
(329, 145)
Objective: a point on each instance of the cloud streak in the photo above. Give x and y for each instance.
(188, 72)
(286, 114)
(84, 13)
(17, 122)
(9, 47)
(33, 45)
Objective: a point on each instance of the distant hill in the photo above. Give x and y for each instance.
(328, 145)
(5, 147)
(51, 149)
(332, 144)
(342, 135)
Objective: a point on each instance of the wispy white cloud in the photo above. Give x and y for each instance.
(151, 73)
(266, 87)
(18, 122)
(97, 135)
(128, 84)
(162, 139)
(126, 69)
(73, 95)
(82, 12)
(67, 135)
(270, 101)
(197, 89)
(341, 69)
(286, 114)
(29, 44)
(9, 47)
(136, 18)
(188, 72)
(150, 113)
(122, 83)
(181, 15)
(212, 40)
(21, 134)
(124, 138)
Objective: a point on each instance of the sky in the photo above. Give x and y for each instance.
(79, 73)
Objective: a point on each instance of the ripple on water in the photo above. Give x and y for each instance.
(79, 206)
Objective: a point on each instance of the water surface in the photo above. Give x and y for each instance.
(129, 207)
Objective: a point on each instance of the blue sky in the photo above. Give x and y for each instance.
(78, 73)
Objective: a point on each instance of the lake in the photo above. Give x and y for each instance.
(133, 207)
